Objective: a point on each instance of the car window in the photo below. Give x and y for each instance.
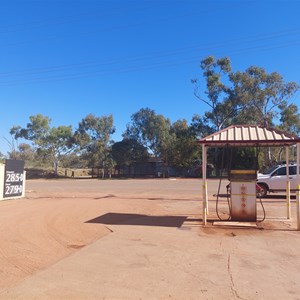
(280, 172)
(269, 171)
(293, 170)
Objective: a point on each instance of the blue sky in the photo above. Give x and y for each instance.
(66, 59)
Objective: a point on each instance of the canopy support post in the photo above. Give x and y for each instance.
(288, 184)
(298, 187)
(204, 185)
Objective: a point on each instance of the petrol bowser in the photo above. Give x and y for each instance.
(243, 195)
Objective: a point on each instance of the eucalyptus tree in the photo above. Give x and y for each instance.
(289, 122)
(253, 96)
(184, 152)
(50, 143)
(175, 143)
(93, 137)
(25, 152)
(262, 95)
(151, 130)
(200, 126)
(216, 94)
(289, 118)
(129, 151)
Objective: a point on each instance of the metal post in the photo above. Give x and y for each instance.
(206, 196)
(24, 184)
(298, 186)
(288, 184)
(204, 185)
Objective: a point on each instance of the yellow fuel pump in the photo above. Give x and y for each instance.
(243, 195)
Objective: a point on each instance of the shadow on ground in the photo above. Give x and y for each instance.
(272, 197)
(138, 219)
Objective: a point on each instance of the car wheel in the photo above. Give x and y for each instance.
(261, 190)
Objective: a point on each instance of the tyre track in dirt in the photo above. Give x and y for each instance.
(35, 233)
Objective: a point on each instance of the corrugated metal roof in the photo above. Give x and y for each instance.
(249, 135)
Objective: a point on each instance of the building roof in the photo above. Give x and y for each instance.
(249, 135)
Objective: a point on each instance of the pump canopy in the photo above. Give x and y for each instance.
(249, 135)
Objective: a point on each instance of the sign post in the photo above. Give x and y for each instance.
(14, 179)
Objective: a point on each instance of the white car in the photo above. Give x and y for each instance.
(274, 180)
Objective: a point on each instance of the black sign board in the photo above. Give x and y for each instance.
(13, 178)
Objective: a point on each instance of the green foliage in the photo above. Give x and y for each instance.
(25, 152)
(36, 130)
(73, 160)
(150, 130)
(200, 127)
(51, 144)
(261, 95)
(129, 151)
(184, 152)
(215, 72)
(93, 138)
(252, 96)
(174, 143)
(289, 118)
(240, 158)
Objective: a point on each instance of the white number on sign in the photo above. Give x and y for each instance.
(14, 177)
(13, 189)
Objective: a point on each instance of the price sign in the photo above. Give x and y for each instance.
(14, 176)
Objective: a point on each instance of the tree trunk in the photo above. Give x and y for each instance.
(55, 164)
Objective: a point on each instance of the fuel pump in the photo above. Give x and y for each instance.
(242, 191)
(243, 195)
